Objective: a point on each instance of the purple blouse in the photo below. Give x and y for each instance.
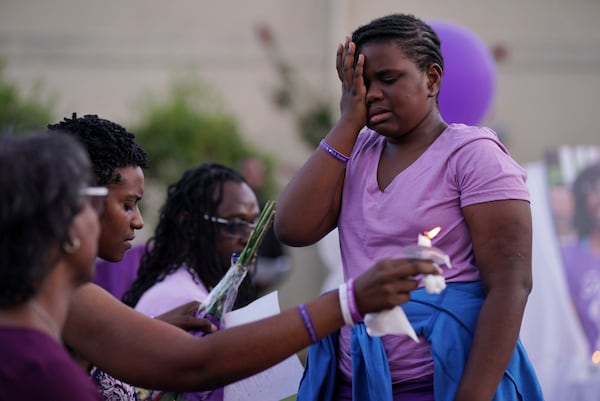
(35, 367)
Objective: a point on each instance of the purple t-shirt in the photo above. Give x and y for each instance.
(582, 268)
(35, 367)
(464, 166)
(174, 290)
(117, 277)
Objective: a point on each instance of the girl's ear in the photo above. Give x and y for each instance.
(434, 79)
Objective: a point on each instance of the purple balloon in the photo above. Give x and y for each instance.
(469, 81)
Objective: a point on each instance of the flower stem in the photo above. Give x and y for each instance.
(256, 236)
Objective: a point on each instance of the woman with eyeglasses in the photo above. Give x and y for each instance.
(208, 216)
(49, 234)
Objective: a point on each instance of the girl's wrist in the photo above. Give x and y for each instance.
(349, 123)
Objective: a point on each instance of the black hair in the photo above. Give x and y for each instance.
(41, 176)
(109, 145)
(415, 37)
(582, 221)
(184, 237)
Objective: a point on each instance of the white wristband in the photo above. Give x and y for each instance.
(342, 294)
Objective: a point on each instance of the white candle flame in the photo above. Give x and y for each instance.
(425, 238)
(433, 232)
(596, 357)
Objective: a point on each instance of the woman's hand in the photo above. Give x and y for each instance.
(389, 283)
(183, 317)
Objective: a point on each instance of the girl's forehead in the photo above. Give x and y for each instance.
(383, 56)
(383, 51)
(382, 43)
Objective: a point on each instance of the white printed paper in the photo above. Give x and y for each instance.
(275, 383)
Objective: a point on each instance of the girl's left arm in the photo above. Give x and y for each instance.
(501, 235)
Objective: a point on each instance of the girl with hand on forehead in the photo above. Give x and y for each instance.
(392, 168)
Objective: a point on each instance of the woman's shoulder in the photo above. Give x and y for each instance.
(464, 141)
(366, 134)
(469, 133)
(367, 138)
(176, 289)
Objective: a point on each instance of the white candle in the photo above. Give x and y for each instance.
(434, 284)
(424, 241)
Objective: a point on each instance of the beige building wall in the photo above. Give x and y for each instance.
(101, 57)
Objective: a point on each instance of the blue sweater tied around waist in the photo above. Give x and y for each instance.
(447, 321)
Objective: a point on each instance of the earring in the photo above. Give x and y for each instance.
(71, 246)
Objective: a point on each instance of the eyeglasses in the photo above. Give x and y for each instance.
(96, 196)
(233, 228)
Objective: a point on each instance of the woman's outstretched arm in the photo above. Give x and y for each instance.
(153, 354)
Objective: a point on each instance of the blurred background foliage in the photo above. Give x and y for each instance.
(312, 112)
(179, 130)
(188, 126)
(21, 110)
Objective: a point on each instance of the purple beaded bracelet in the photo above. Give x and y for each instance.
(352, 301)
(308, 323)
(337, 155)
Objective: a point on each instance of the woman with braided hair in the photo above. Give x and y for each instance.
(392, 168)
(117, 163)
(208, 215)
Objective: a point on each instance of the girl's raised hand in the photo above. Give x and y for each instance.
(352, 102)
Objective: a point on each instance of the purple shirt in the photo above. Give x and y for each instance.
(35, 367)
(464, 166)
(117, 277)
(174, 290)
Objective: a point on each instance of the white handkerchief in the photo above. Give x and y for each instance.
(433, 284)
(391, 321)
(394, 321)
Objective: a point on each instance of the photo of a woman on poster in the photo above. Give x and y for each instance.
(582, 257)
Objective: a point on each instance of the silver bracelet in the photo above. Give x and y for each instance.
(343, 296)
